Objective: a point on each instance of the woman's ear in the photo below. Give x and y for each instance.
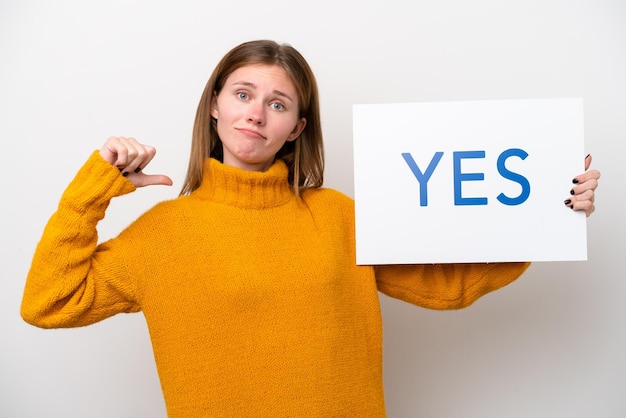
(297, 130)
(214, 106)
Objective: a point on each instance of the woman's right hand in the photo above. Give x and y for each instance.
(131, 158)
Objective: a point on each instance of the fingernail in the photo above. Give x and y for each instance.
(571, 192)
(567, 201)
(138, 169)
(575, 181)
(588, 155)
(125, 173)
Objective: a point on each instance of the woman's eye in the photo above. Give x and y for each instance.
(242, 95)
(277, 106)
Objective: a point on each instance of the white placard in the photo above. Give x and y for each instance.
(471, 181)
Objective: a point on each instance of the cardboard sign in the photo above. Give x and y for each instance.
(474, 181)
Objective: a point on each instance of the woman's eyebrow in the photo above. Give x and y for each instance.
(253, 86)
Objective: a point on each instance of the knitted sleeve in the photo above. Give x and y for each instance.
(67, 285)
(445, 286)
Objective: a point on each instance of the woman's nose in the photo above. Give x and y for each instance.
(256, 113)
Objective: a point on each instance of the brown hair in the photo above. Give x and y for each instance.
(304, 156)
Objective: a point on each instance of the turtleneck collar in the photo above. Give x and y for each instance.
(246, 189)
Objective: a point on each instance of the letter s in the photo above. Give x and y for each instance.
(518, 178)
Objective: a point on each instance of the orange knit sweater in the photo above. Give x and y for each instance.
(253, 300)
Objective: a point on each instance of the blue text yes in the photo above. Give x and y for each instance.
(459, 177)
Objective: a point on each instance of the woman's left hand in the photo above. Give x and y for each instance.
(583, 193)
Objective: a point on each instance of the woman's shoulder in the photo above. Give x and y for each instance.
(169, 209)
(327, 196)
(330, 203)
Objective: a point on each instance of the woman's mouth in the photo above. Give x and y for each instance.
(251, 133)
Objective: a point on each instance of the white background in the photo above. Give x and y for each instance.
(72, 73)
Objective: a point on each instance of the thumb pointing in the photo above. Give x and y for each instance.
(142, 180)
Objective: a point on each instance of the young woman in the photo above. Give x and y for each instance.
(248, 280)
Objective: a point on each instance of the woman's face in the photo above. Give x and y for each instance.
(257, 111)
